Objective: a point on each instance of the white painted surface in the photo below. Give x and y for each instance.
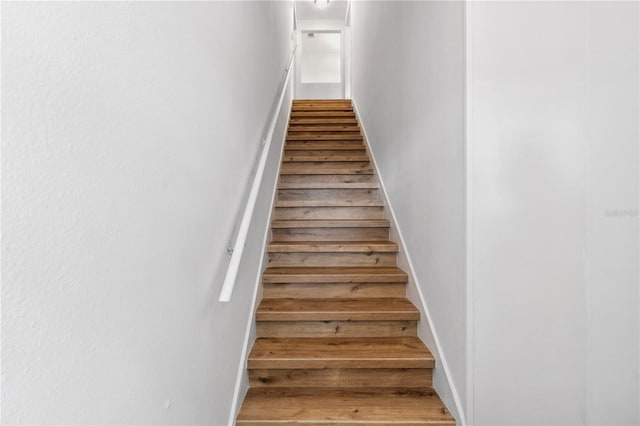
(407, 69)
(554, 134)
(129, 133)
(264, 213)
(321, 90)
(321, 60)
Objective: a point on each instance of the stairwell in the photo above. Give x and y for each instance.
(336, 337)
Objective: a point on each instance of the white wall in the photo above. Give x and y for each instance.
(129, 133)
(553, 133)
(407, 68)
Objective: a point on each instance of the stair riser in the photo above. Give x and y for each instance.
(327, 168)
(323, 114)
(334, 290)
(294, 156)
(330, 234)
(319, 364)
(352, 378)
(324, 146)
(323, 128)
(332, 259)
(327, 194)
(325, 179)
(281, 213)
(336, 328)
(325, 137)
(345, 134)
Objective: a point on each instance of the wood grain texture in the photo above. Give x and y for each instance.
(290, 156)
(323, 145)
(343, 377)
(332, 247)
(324, 213)
(333, 290)
(328, 195)
(361, 352)
(336, 336)
(312, 181)
(326, 128)
(325, 137)
(334, 275)
(369, 223)
(382, 328)
(336, 310)
(327, 168)
(339, 406)
(332, 259)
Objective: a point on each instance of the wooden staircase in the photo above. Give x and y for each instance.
(336, 337)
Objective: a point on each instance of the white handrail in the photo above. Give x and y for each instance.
(241, 237)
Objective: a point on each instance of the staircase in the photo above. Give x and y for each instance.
(336, 337)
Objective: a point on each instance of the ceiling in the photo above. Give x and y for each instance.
(306, 10)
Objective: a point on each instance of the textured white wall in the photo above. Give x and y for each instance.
(129, 132)
(553, 102)
(407, 68)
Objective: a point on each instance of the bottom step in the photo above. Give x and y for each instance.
(335, 406)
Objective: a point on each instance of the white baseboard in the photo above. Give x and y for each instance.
(426, 330)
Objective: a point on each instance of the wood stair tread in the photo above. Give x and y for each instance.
(326, 128)
(336, 310)
(326, 168)
(323, 146)
(332, 246)
(329, 203)
(328, 185)
(340, 352)
(293, 157)
(336, 274)
(344, 406)
(325, 137)
(322, 121)
(336, 114)
(328, 223)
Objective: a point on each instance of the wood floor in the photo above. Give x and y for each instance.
(336, 337)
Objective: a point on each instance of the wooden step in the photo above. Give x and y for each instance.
(333, 290)
(327, 182)
(340, 135)
(332, 247)
(323, 145)
(331, 254)
(343, 377)
(336, 310)
(362, 352)
(316, 184)
(376, 260)
(290, 156)
(320, 107)
(340, 406)
(329, 195)
(322, 121)
(334, 275)
(323, 114)
(334, 100)
(330, 230)
(327, 213)
(326, 168)
(325, 137)
(382, 223)
(299, 329)
(325, 128)
(329, 203)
